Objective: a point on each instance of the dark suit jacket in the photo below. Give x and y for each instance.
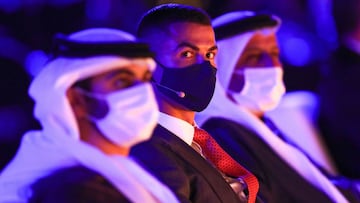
(182, 169)
(75, 185)
(278, 181)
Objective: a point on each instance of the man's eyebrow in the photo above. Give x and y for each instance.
(122, 71)
(187, 44)
(213, 48)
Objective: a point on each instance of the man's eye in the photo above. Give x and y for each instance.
(123, 83)
(187, 54)
(147, 77)
(253, 57)
(210, 55)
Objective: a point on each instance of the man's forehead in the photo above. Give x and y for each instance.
(129, 68)
(191, 33)
(260, 39)
(119, 73)
(179, 28)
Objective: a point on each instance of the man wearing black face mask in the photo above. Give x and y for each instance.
(190, 87)
(184, 45)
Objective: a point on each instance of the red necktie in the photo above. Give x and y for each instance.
(225, 163)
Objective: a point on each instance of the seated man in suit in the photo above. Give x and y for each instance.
(249, 84)
(94, 102)
(184, 44)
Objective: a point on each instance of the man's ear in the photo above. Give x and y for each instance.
(77, 102)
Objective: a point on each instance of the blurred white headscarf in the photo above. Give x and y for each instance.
(58, 144)
(230, 49)
(49, 88)
(226, 62)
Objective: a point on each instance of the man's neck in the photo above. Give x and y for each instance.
(187, 116)
(172, 110)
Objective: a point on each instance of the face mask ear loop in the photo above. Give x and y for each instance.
(180, 94)
(158, 63)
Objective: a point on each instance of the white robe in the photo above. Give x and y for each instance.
(40, 155)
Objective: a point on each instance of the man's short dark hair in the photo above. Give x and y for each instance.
(162, 16)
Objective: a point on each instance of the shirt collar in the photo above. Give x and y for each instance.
(180, 128)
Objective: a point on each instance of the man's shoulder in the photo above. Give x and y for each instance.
(161, 139)
(226, 125)
(163, 145)
(74, 184)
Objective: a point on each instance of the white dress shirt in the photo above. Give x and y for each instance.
(181, 128)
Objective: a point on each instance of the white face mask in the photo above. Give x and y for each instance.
(263, 89)
(132, 117)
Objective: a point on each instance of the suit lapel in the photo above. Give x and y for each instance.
(196, 161)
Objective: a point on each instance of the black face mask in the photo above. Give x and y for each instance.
(192, 86)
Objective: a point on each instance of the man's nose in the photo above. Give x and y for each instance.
(201, 58)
